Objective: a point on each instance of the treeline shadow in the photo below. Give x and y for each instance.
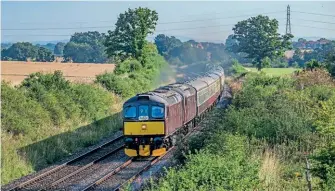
(62, 147)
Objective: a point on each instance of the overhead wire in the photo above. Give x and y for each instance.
(159, 23)
(310, 13)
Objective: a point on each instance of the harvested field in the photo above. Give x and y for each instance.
(15, 71)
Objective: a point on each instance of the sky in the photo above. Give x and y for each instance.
(198, 20)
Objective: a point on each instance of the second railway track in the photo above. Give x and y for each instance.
(49, 179)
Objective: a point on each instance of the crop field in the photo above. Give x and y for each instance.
(274, 71)
(16, 71)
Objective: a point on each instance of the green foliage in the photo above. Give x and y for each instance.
(132, 76)
(22, 51)
(86, 47)
(231, 43)
(54, 99)
(19, 51)
(127, 66)
(19, 114)
(295, 64)
(126, 41)
(324, 166)
(41, 120)
(221, 165)
(312, 64)
(189, 54)
(49, 46)
(165, 44)
(260, 139)
(258, 37)
(44, 55)
(237, 69)
(59, 48)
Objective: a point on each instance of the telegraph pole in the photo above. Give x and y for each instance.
(288, 20)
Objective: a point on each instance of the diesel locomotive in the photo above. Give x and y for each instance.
(153, 120)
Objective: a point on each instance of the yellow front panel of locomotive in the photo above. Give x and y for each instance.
(144, 128)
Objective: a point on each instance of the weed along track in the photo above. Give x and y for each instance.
(55, 176)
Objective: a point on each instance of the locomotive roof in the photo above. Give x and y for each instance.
(150, 96)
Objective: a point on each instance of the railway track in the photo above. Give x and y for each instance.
(128, 171)
(103, 168)
(49, 179)
(124, 174)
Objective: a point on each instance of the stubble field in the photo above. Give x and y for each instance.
(16, 71)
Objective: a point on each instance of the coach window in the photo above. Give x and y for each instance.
(157, 112)
(143, 112)
(130, 112)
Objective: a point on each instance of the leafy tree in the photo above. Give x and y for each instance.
(128, 38)
(298, 58)
(312, 64)
(86, 47)
(59, 48)
(78, 52)
(49, 46)
(188, 54)
(5, 45)
(44, 55)
(165, 44)
(324, 166)
(302, 40)
(20, 51)
(231, 43)
(258, 37)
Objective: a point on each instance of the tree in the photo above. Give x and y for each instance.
(86, 47)
(77, 52)
(231, 43)
(20, 51)
(312, 64)
(165, 44)
(330, 60)
(44, 55)
(302, 40)
(128, 38)
(59, 48)
(49, 46)
(258, 37)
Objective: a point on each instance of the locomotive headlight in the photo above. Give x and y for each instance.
(144, 126)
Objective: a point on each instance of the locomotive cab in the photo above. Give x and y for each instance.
(144, 125)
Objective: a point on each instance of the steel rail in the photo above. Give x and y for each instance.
(52, 170)
(108, 175)
(146, 167)
(84, 167)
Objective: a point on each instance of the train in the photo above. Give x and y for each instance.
(153, 120)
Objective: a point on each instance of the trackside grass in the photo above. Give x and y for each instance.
(260, 141)
(274, 71)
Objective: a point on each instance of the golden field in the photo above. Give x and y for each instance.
(16, 71)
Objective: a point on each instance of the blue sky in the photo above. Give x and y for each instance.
(208, 19)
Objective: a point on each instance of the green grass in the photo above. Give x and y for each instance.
(274, 71)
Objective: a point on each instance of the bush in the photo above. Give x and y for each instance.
(19, 114)
(132, 76)
(127, 66)
(324, 166)
(41, 121)
(223, 165)
(237, 69)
